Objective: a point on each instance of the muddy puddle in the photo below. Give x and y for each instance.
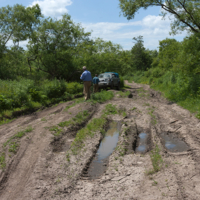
(142, 146)
(107, 146)
(173, 144)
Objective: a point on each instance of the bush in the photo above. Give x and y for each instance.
(74, 88)
(156, 72)
(121, 82)
(56, 89)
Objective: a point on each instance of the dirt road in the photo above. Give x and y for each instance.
(40, 165)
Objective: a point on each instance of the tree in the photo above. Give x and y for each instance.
(141, 58)
(54, 46)
(17, 23)
(168, 52)
(185, 12)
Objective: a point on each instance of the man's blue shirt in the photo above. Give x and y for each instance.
(95, 80)
(86, 76)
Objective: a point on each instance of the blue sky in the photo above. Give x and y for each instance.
(102, 17)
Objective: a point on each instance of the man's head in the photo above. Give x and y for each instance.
(84, 68)
(96, 75)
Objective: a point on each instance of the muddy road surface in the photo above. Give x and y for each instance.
(136, 146)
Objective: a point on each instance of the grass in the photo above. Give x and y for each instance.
(101, 97)
(156, 160)
(110, 109)
(90, 130)
(18, 135)
(127, 86)
(153, 117)
(6, 121)
(13, 147)
(2, 161)
(80, 100)
(134, 108)
(43, 119)
(78, 119)
(123, 94)
(56, 130)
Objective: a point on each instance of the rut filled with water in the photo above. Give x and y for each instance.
(107, 146)
(173, 144)
(142, 147)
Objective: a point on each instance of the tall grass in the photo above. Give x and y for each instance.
(30, 94)
(184, 89)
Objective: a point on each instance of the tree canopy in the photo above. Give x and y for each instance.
(186, 13)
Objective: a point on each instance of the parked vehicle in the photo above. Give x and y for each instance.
(109, 79)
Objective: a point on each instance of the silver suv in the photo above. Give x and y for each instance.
(109, 79)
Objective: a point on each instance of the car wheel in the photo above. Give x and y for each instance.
(118, 86)
(112, 86)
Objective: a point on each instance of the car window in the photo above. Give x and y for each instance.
(104, 76)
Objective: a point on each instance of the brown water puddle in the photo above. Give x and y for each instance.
(107, 146)
(142, 147)
(173, 143)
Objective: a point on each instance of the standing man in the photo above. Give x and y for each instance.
(87, 81)
(95, 82)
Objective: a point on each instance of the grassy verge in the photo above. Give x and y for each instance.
(26, 96)
(183, 89)
(2, 161)
(156, 160)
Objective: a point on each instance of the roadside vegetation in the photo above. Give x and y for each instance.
(27, 95)
(175, 68)
(175, 72)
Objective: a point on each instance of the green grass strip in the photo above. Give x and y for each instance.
(2, 161)
(20, 134)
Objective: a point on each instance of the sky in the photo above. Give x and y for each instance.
(103, 19)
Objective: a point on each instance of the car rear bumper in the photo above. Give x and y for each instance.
(103, 84)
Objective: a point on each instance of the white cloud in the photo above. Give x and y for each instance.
(53, 8)
(152, 28)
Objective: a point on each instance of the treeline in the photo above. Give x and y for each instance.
(47, 70)
(57, 48)
(176, 72)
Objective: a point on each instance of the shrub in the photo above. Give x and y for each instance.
(156, 72)
(121, 82)
(56, 89)
(74, 88)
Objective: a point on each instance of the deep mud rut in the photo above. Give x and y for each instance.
(40, 169)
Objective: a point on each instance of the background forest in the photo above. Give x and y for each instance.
(48, 70)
